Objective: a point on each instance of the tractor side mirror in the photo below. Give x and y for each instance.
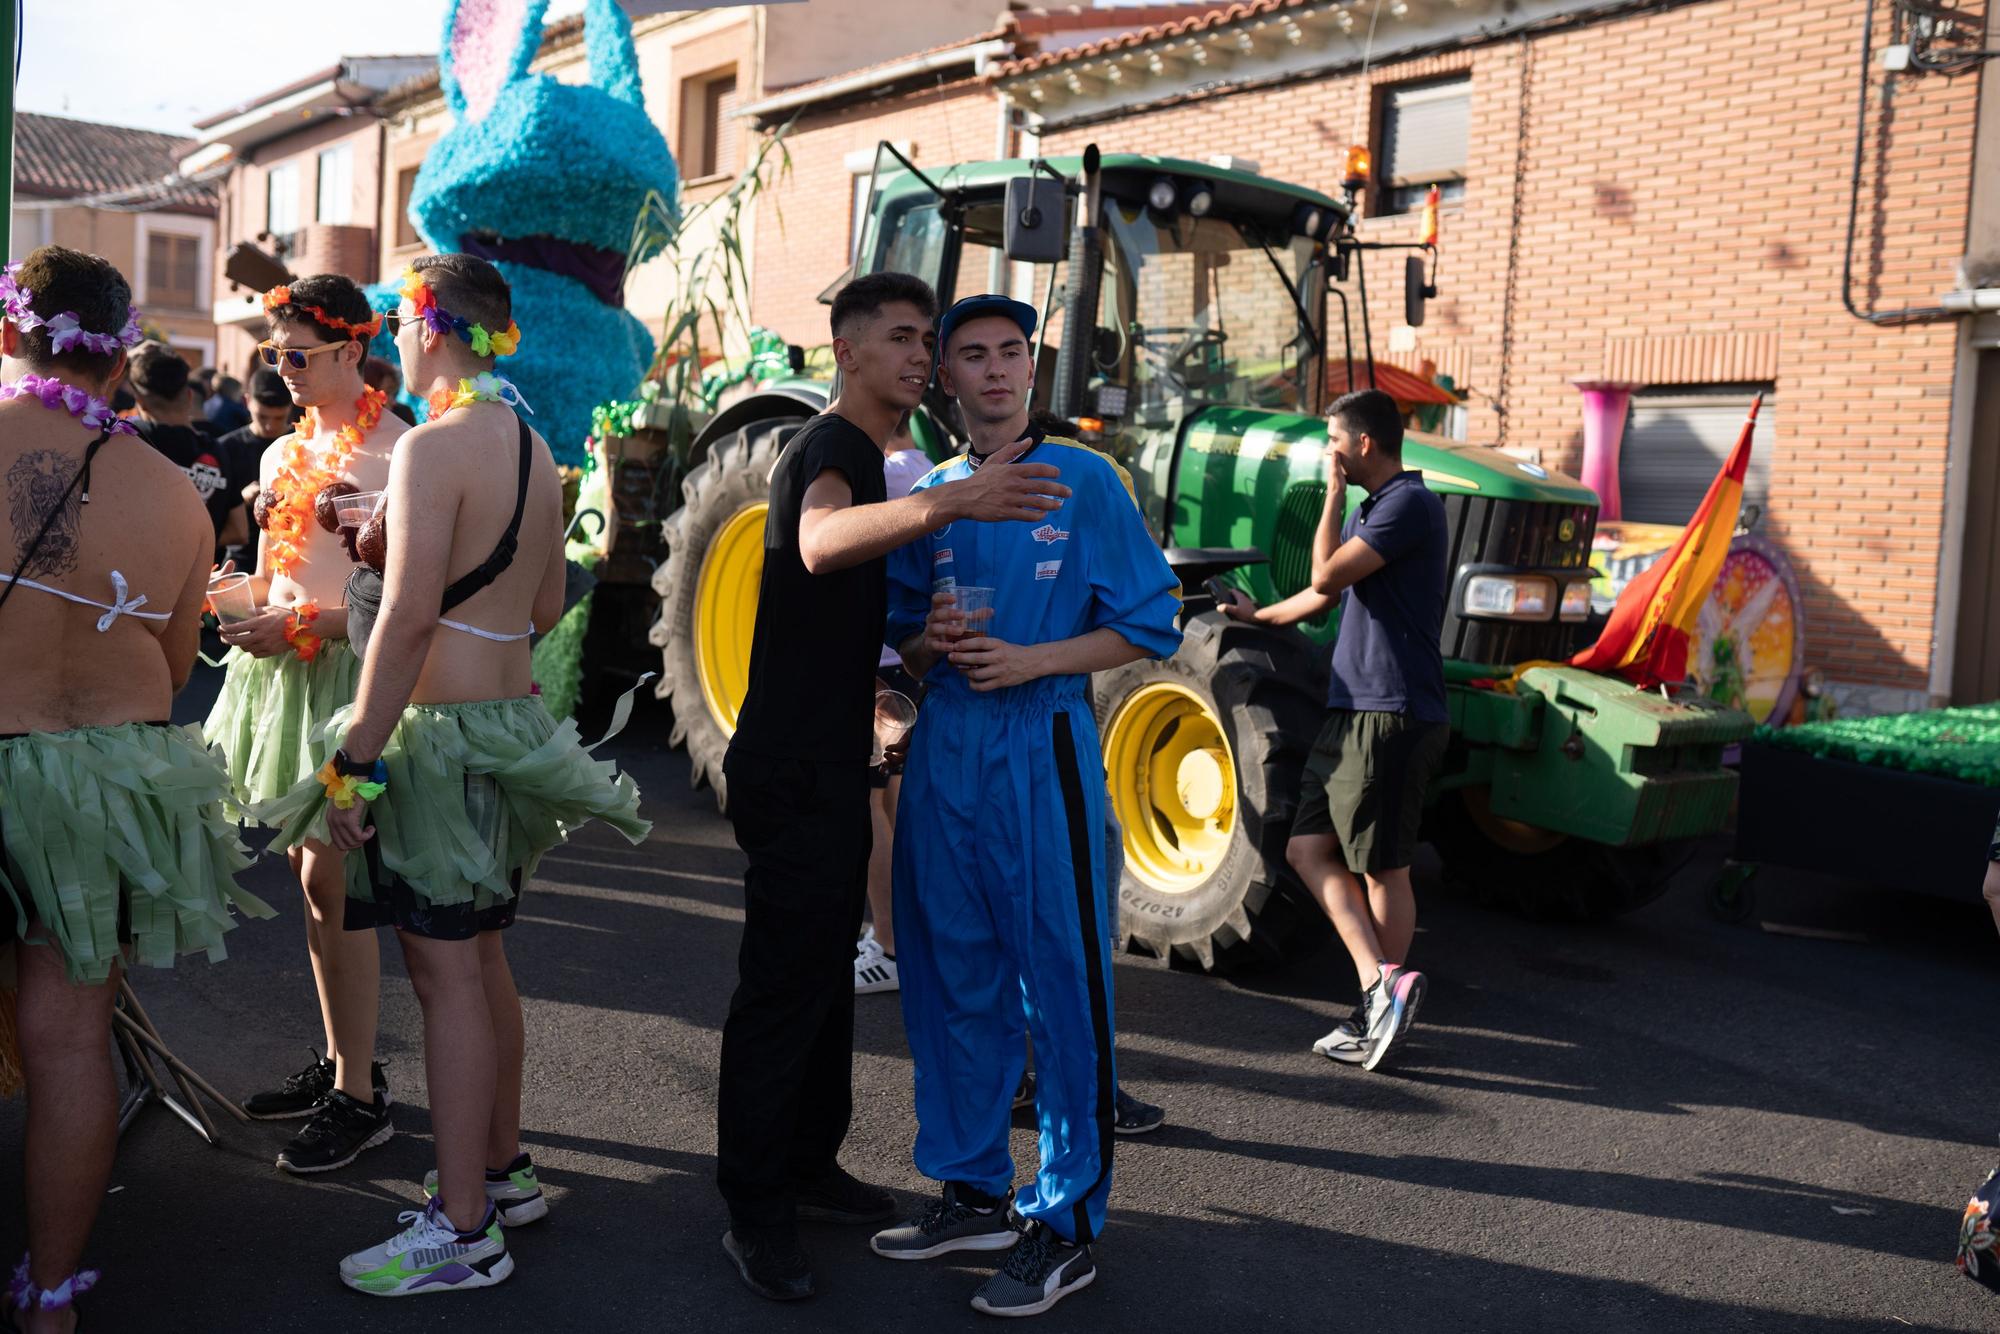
(1414, 290)
(1037, 230)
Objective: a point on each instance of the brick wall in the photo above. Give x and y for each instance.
(1683, 211)
(802, 224)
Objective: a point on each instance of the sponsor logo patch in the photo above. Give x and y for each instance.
(1047, 569)
(943, 554)
(1048, 532)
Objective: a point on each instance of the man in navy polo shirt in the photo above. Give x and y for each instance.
(1386, 723)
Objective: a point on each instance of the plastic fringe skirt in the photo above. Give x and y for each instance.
(436, 831)
(268, 716)
(101, 824)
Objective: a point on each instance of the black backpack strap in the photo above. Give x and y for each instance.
(484, 573)
(82, 479)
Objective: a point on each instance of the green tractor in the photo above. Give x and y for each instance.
(1185, 332)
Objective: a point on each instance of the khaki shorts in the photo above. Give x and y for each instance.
(1365, 782)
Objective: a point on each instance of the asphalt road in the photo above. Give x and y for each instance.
(1664, 1121)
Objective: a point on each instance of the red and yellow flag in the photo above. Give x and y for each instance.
(1652, 624)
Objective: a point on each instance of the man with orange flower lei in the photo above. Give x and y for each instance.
(291, 667)
(450, 780)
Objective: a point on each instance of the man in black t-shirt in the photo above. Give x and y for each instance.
(159, 379)
(271, 416)
(797, 775)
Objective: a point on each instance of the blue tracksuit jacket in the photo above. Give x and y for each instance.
(1001, 896)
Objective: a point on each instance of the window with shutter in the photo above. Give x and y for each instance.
(281, 202)
(335, 201)
(1425, 129)
(173, 271)
(406, 185)
(1676, 440)
(709, 134)
(726, 132)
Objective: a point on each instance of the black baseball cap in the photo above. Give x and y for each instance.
(974, 307)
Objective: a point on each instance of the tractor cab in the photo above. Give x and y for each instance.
(1189, 286)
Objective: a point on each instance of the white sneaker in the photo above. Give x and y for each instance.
(873, 970)
(430, 1255)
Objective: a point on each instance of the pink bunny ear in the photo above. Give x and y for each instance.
(487, 45)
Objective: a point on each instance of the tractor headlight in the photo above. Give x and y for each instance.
(1576, 601)
(1163, 196)
(1509, 597)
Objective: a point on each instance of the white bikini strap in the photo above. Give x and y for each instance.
(121, 603)
(487, 634)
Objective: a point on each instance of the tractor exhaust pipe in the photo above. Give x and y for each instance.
(1086, 267)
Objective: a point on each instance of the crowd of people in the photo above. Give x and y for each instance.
(415, 786)
(377, 716)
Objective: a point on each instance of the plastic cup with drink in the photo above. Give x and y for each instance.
(895, 715)
(231, 598)
(356, 508)
(975, 604)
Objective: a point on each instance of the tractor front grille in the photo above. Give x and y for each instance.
(1524, 535)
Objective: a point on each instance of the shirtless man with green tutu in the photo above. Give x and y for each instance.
(290, 667)
(113, 839)
(450, 780)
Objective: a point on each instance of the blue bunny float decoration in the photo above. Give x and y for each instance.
(546, 179)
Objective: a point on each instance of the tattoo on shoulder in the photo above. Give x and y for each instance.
(35, 488)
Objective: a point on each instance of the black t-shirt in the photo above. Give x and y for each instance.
(818, 636)
(202, 460)
(242, 456)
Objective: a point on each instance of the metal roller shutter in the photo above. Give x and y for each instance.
(1425, 131)
(1676, 440)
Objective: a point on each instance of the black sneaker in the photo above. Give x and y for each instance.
(1024, 1092)
(954, 1222)
(1136, 1117)
(336, 1135)
(771, 1261)
(301, 1093)
(1041, 1270)
(838, 1198)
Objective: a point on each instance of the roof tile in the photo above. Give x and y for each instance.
(59, 158)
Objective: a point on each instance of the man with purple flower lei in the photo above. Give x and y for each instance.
(113, 841)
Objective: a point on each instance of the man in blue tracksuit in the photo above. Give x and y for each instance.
(1000, 885)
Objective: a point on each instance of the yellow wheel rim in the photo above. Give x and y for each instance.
(1173, 786)
(725, 613)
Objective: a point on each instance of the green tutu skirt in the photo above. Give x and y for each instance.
(268, 717)
(477, 792)
(117, 834)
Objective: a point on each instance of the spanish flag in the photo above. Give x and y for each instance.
(1646, 640)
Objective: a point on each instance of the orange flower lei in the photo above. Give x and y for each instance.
(303, 641)
(303, 475)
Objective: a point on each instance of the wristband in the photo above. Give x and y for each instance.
(344, 782)
(303, 641)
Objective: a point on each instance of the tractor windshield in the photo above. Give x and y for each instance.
(1197, 310)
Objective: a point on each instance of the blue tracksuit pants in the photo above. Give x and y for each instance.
(1001, 907)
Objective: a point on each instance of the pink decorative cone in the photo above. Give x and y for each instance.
(1604, 406)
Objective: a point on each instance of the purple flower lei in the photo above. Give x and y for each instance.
(86, 407)
(65, 330)
(23, 1295)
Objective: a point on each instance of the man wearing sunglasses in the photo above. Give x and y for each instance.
(291, 668)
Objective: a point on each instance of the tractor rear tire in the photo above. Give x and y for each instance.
(1248, 908)
(734, 477)
(1542, 876)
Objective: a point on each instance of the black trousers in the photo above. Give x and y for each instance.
(788, 1044)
